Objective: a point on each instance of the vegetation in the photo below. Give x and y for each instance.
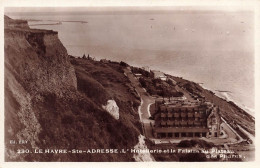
(123, 64)
(195, 143)
(77, 121)
(80, 126)
(156, 86)
(159, 87)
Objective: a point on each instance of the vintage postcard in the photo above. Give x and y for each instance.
(130, 83)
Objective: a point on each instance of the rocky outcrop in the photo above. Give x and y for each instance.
(40, 52)
(112, 108)
(142, 155)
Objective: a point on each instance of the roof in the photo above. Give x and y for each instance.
(185, 104)
(174, 82)
(158, 74)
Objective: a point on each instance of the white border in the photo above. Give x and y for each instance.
(228, 4)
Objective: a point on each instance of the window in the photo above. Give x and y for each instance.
(197, 134)
(183, 134)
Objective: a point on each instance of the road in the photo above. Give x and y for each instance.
(146, 102)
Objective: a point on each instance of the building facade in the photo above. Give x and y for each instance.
(186, 119)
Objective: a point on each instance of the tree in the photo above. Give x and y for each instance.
(164, 93)
(170, 82)
(169, 94)
(142, 82)
(151, 90)
(123, 64)
(157, 80)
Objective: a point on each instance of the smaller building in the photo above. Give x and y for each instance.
(146, 68)
(173, 81)
(138, 75)
(104, 61)
(158, 75)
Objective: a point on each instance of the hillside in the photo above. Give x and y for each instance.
(52, 104)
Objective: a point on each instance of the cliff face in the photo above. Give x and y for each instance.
(35, 62)
(40, 52)
(44, 106)
(10, 23)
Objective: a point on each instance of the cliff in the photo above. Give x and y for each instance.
(40, 52)
(52, 106)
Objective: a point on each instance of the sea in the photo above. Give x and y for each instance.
(213, 48)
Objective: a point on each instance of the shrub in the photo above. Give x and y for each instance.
(155, 81)
(142, 82)
(185, 144)
(123, 64)
(74, 62)
(151, 90)
(170, 82)
(193, 143)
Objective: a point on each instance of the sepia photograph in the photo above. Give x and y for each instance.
(129, 84)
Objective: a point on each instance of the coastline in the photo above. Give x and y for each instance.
(225, 96)
(228, 98)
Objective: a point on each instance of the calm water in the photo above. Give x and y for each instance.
(214, 48)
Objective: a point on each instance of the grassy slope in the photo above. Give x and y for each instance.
(78, 121)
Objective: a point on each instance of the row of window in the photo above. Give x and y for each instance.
(182, 124)
(163, 109)
(176, 115)
(181, 134)
(182, 119)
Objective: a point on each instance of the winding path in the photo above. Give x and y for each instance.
(146, 101)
